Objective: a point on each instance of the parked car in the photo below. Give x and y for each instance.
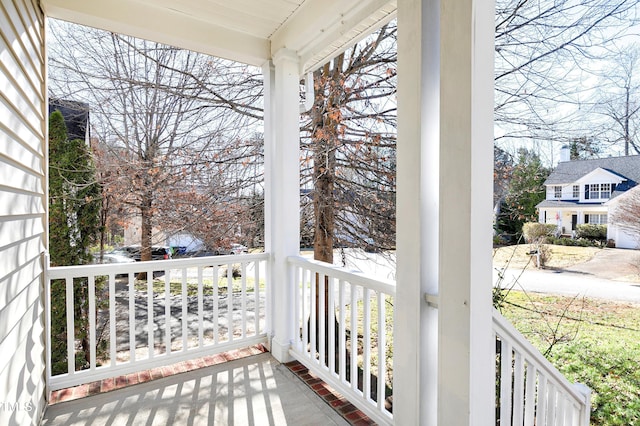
(232, 249)
(113, 257)
(157, 252)
(238, 249)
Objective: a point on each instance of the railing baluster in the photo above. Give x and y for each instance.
(305, 310)
(332, 326)
(568, 412)
(268, 303)
(132, 318)
(342, 342)
(321, 323)
(559, 414)
(366, 345)
(112, 319)
(518, 389)
(185, 312)
(530, 395)
(92, 322)
(543, 410)
(552, 408)
(354, 337)
(382, 345)
(216, 307)
(167, 312)
(297, 306)
(71, 330)
(243, 278)
(200, 309)
(313, 325)
(230, 300)
(256, 297)
(505, 380)
(151, 343)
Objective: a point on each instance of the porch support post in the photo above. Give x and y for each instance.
(444, 370)
(282, 191)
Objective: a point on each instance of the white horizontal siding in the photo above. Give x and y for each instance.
(22, 211)
(23, 155)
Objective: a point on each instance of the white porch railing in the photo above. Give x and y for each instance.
(343, 334)
(148, 314)
(531, 391)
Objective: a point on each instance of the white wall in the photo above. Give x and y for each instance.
(567, 192)
(622, 238)
(22, 212)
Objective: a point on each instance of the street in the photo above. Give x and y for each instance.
(568, 284)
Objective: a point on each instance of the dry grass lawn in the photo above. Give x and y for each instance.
(517, 256)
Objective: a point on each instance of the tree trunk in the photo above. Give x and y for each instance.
(146, 228)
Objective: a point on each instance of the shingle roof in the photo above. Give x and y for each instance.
(570, 171)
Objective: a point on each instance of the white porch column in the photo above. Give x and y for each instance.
(282, 191)
(443, 350)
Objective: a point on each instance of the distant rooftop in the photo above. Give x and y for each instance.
(570, 171)
(76, 116)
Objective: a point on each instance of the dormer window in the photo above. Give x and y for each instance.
(597, 191)
(576, 191)
(557, 192)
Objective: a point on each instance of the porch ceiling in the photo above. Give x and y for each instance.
(248, 31)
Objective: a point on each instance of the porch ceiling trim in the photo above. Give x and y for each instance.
(316, 30)
(163, 25)
(321, 29)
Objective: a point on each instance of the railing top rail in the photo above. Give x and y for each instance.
(354, 277)
(506, 330)
(58, 272)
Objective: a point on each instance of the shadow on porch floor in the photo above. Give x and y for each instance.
(255, 390)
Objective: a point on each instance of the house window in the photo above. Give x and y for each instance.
(576, 191)
(597, 191)
(596, 219)
(557, 192)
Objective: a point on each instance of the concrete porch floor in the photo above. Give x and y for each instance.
(256, 390)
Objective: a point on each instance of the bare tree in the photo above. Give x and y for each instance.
(173, 124)
(620, 101)
(350, 147)
(544, 51)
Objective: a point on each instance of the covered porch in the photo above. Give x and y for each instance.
(444, 356)
(170, 334)
(567, 215)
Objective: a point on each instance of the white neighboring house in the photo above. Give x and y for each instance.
(623, 238)
(587, 191)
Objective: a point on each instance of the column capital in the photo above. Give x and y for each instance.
(285, 55)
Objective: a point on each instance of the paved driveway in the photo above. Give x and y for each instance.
(569, 284)
(612, 274)
(612, 264)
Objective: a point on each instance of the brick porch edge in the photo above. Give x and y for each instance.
(341, 405)
(114, 383)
